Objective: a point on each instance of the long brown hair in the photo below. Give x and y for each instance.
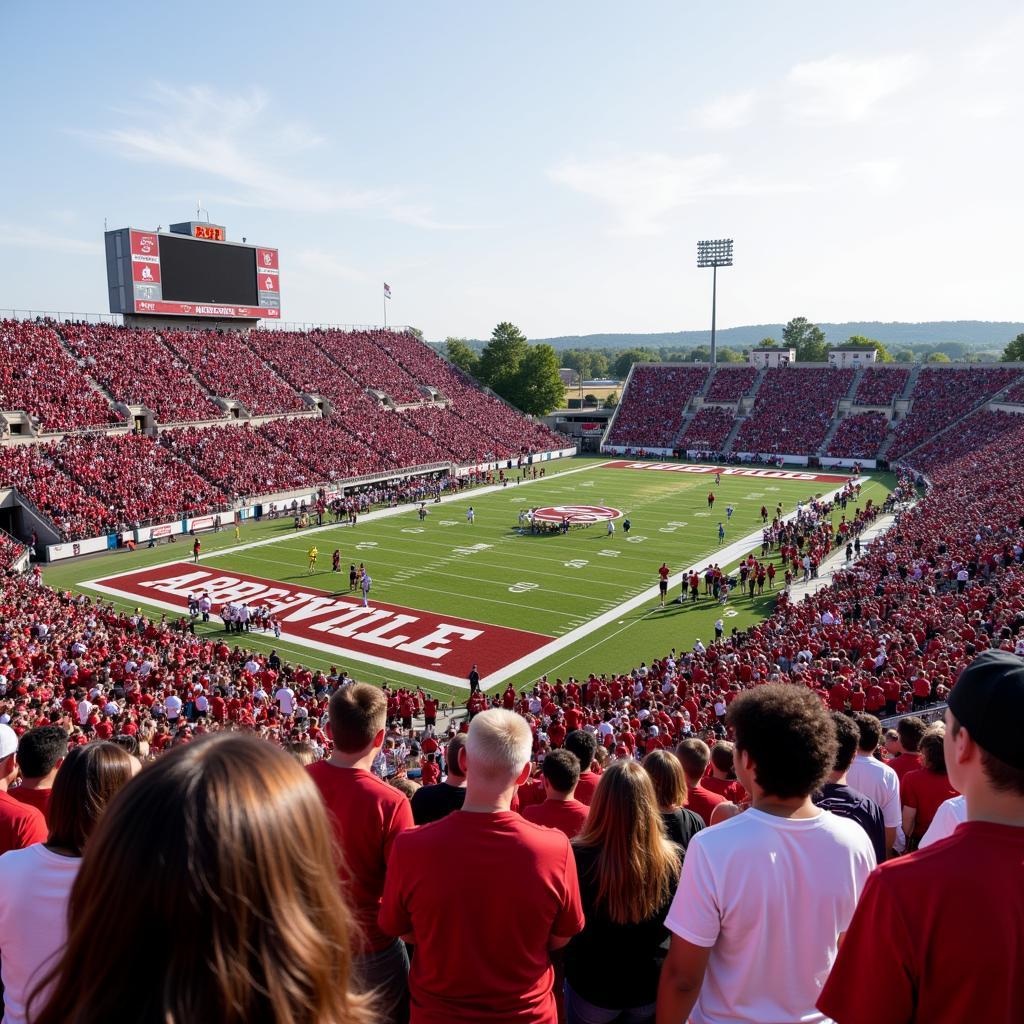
(667, 777)
(221, 855)
(637, 867)
(86, 781)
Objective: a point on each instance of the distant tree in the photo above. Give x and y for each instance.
(701, 354)
(938, 357)
(905, 355)
(612, 400)
(884, 356)
(730, 355)
(460, 353)
(417, 332)
(626, 359)
(767, 343)
(1014, 351)
(502, 358)
(537, 388)
(808, 339)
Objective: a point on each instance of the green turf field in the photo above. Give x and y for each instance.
(492, 573)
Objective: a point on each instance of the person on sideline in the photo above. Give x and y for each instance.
(367, 816)
(219, 854)
(765, 896)
(937, 934)
(35, 883)
(628, 873)
(484, 959)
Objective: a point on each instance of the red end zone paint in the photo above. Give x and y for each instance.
(576, 513)
(761, 474)
(440, 647)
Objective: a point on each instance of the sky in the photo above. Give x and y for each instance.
(548, 163)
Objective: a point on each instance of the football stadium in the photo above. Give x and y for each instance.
(370, 672)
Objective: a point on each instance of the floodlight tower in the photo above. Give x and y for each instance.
(714, 253)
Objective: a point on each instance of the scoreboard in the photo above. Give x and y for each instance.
(191, 270)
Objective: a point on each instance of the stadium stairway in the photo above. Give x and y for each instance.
(703, 393)
(858, 376)
(908, 388)
(739, 421)
(832, 428)
(90, 381)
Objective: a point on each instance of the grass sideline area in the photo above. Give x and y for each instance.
(492, 573)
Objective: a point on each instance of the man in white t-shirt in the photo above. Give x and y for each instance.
(875, 779)
(285, 698)
(172, 707)
(951, 812)
(85, 709)
(765, 896)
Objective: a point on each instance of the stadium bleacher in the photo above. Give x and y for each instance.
(879, 386)
(654, 403)
(708, 430)
(859, 436)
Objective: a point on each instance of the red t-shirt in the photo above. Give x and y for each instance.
(587, 786)
(905, 763)
(366, 814)
(924, 791)
(37, 798)
(20, 824)
(483, 959)
(728, 788)
(568, 816)
(702, 801)
(912, 952)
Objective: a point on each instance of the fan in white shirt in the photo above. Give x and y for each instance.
(285, 698)
(876, 780)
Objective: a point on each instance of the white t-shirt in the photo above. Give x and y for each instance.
(34, 889)
(770, 897)
(85, 709)
(286, 698)
(951, 812)
(172, 705)
(880, 783)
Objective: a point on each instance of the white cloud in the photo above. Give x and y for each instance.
(319, 263)
(878, 175)
(642, 190)
(843, 89)
(238, 139)
(17, 236)
(725, 113)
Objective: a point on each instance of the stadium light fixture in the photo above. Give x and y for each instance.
(714, 253)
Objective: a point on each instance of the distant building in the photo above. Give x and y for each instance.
(570, 377)
(850, 357)
(767, 357)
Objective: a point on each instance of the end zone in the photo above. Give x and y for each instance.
(441, 648)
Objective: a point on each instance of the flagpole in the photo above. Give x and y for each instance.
(385, 312)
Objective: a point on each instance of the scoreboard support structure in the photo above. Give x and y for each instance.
(191, 275)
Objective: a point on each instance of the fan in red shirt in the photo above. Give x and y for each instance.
(584, 746)
(20, 824)
(561, 773)
(695, 756)
(367, 815)
(937, 934)
(910, 732)
(40, 753)
(486, 959)
(923, 791)
(722, 778)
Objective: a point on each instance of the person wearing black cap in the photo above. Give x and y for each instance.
(939, 935)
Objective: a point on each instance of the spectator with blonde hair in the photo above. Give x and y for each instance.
(220, 854)
(628, 872)
(485, 958)
(669, 781)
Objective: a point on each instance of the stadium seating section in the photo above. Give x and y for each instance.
(708, 430)
(793, 410)
(731, 383)
(859, 436)
(68, 377)
(879, 386)
(654, 404)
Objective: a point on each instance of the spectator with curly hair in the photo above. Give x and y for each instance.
(765, 896)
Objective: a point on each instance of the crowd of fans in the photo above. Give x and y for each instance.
(654, 404)
(880, 385)
(859, 436)
(227, 367)
(731, 383)
(137, 368)
(1016, 393)
(708, 430)
(942, 396)
(665, 890)
(39, 377)
(793, 410)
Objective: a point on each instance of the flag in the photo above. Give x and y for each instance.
(387, 290)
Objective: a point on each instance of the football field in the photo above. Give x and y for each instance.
(448, 593)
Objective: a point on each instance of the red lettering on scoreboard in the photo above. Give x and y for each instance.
(209, 232)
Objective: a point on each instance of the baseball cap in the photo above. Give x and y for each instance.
(8, 741)
(988, 700)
